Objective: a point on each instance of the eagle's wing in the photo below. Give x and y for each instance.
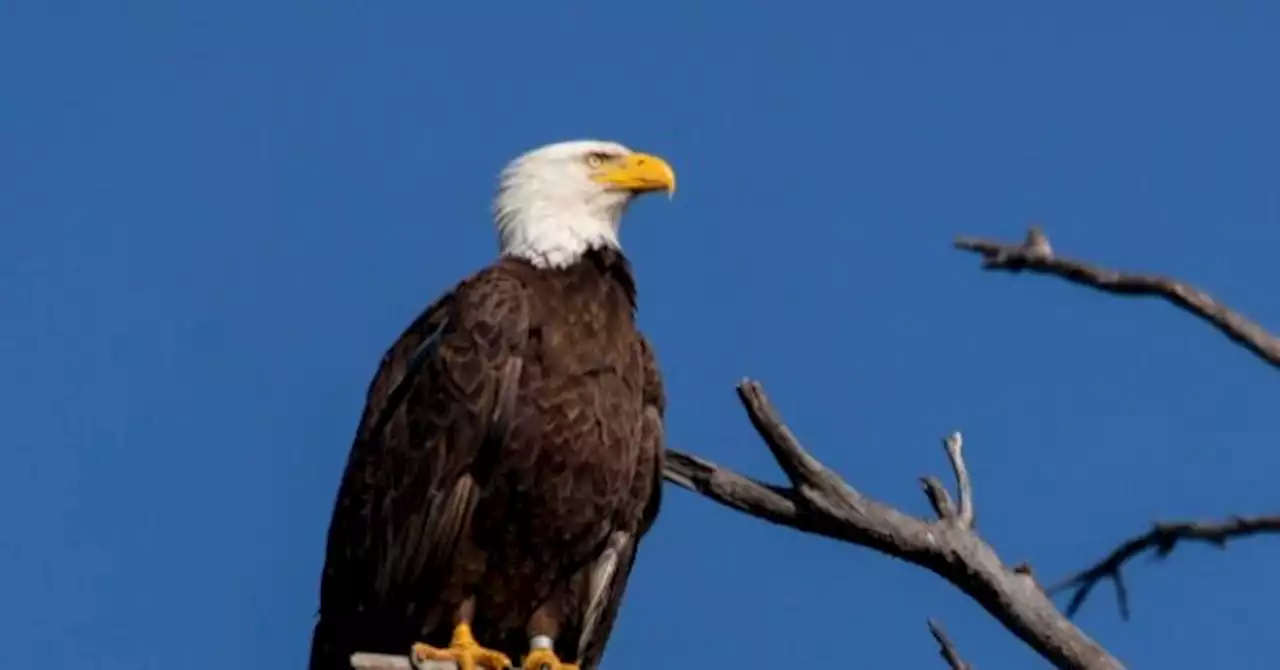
(425, 443)
(608, 582)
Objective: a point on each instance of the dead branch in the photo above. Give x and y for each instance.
(946, 648)
(819, 502)
(1162, 539)
(1034, 254)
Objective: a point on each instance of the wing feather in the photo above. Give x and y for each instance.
(608, 583)
(428, 436)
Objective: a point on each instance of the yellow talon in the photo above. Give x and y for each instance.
(545, 659)
(464, 651)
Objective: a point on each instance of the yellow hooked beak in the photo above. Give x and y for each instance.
(638, 172)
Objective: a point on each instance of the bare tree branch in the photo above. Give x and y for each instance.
(820, 502)
(1035, 255)
(1162, 539)
(947, 649)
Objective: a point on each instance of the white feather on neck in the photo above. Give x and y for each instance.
(552, 222)
(554, 239)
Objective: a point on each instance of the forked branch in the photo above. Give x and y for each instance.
(820, 502)
(1161, 539)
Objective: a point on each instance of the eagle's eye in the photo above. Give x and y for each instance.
(595, 160)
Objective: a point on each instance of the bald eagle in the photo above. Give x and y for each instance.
(508, 461)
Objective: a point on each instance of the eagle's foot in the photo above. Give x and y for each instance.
(545, 659)
(464, 651)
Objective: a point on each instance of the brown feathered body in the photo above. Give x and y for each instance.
(452, 493)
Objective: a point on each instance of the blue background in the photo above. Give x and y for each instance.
(214, 217)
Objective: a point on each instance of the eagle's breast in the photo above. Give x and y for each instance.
(576, 434)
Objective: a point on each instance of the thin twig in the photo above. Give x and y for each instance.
(954, 443)
(1162, 539)
(938, 497)
(1027, 256)
(832, 508)
(946, 648)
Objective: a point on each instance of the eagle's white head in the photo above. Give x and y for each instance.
(557, 201)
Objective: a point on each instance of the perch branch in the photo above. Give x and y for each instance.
(820, 502)
(946, 648)
(1162, 539)
(365, 660)
(1035, 255)
(370, 661)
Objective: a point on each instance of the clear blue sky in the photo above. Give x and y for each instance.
(215, 217)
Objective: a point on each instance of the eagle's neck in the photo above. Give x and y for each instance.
(554, 230)
(555, 241)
